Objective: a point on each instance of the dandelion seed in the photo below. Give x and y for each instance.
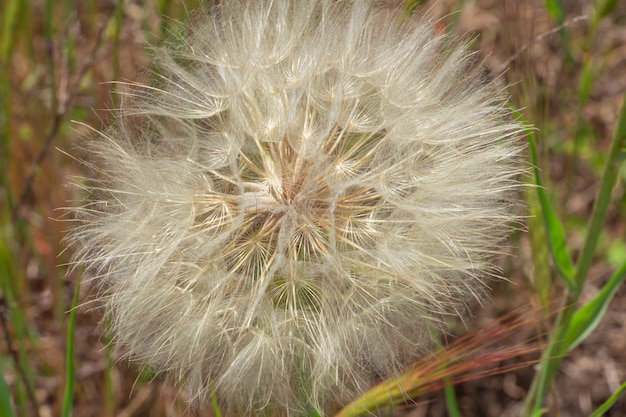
(304, 193)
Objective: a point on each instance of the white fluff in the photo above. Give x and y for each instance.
(304, 193)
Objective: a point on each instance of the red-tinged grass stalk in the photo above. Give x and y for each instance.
(477, 354)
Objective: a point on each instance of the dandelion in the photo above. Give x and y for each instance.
(305, 192)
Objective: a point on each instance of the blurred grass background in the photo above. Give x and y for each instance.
(564, 62)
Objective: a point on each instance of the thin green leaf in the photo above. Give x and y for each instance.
(314, 413)
(587, 318)
(555, 232)
(542, 276)
(609, 403)
(601, 204)
(604, 8)
(587, 77)
(216, 407)
(68, 397)
(556, 9)
(10, 287)
(10, 22)
(411, 5)
(117, 29)
(558, 346)
(557, 241)
(451, 402)
(557, 12)
(109, 390)
(6, 408)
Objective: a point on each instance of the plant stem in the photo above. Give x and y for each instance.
(557, 348)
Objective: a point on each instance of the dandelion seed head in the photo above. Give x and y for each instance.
(304, 192)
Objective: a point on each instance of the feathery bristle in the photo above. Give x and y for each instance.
(304, 193)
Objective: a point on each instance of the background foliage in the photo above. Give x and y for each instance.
(564, 63)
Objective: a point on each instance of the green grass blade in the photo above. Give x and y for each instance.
(556, 10)
(601, 204)
(588, 75)
(411, 5)
(10, 281)
(451, 401)
(117, 25)
(313, 413)
(609, 403)
(557, 241)
(164, 10)
(558, 346)
(109, 390)
(555, 232)
(49, 13)
(603, 9)
(216, 407)
(587, 318)
(10, 19)
(542, 279)
(68, 397)
(6, 408)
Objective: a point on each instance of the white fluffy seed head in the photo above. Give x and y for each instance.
(306, 190)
